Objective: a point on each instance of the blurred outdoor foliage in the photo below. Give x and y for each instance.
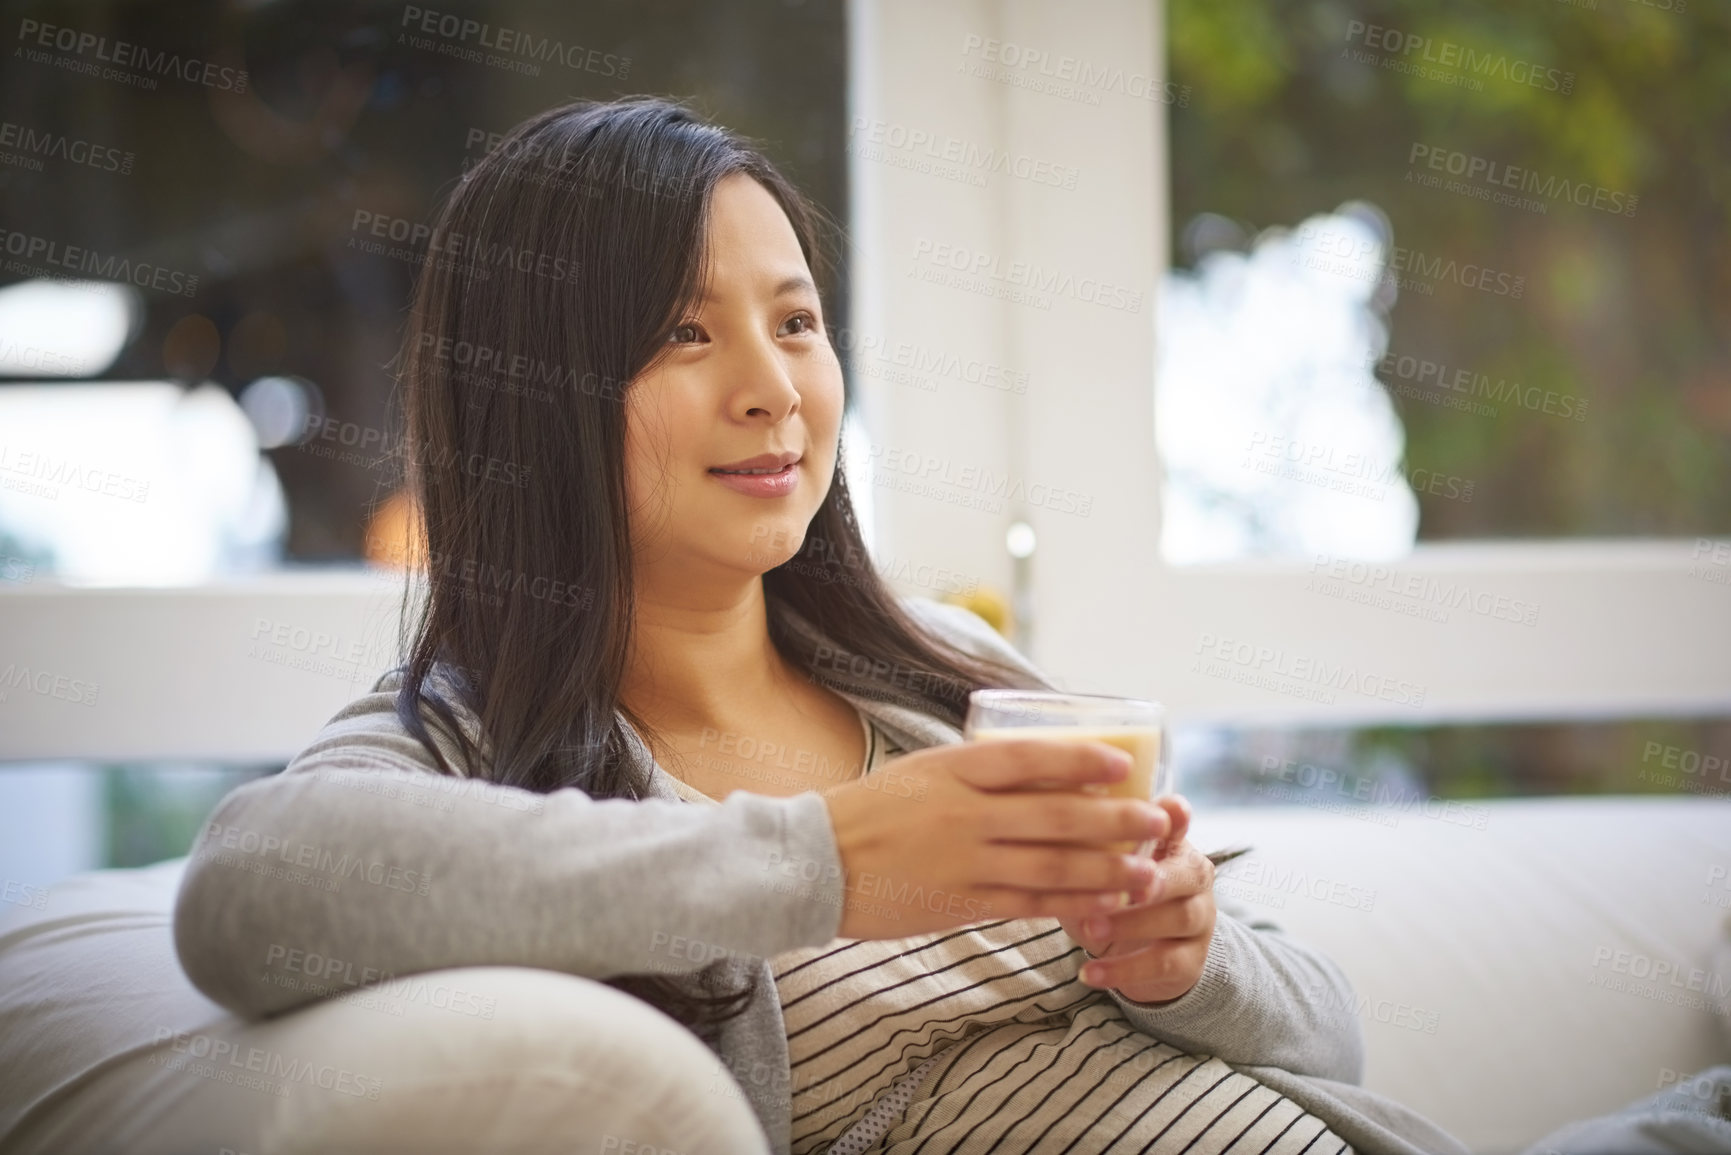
(1290, 112)
(1294, 106)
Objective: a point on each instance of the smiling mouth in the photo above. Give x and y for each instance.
(756, 472)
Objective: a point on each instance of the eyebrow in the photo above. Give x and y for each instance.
(789, 285)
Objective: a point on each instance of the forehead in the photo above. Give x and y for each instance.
(751, 242)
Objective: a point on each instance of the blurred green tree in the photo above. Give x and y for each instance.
(1299, 105)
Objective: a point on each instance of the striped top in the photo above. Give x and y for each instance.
(983, 1038)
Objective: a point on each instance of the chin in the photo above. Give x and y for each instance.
(773, 542)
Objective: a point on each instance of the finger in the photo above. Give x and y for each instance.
(1165, 965)
(1072, 818)
(1179, 919)
(1177, 809)
(1185, 871)
(1072, 868)
(1066, 906)
(994, 764)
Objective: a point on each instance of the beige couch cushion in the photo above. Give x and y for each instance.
(105, 1047)
(1488, 943)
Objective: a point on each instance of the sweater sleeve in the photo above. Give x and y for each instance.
(1263, 997)
(360, 861)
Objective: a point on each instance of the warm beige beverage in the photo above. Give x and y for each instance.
(1142, 743)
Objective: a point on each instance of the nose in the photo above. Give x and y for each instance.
(764, 386)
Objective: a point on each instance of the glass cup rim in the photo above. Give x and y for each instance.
(1010, 697)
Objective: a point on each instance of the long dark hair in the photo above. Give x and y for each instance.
(553, 275)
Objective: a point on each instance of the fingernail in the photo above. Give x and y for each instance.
(1092, 975)
(1097, 927)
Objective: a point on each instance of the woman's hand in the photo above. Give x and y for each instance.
(1153, 950)
(979, 830)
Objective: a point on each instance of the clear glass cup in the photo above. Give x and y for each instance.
(1134, 725)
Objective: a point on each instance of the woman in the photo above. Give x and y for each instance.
(624, 417)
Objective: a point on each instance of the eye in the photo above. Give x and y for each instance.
(805, 320)
(685, 334)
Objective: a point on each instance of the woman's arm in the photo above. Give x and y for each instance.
(359, 861)
(1263, 999)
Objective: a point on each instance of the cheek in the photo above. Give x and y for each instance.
(650, 449)
(824, 405)
(636, 460)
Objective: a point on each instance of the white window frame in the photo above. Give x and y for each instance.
(1622, 627)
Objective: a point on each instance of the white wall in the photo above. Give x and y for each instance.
(1084, 425)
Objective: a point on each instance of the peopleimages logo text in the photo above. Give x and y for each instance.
(1332, 251)
(1300, 668)
(1441, 376)
(1449, 54)
(514, 42)
(57, 146)
(1087, 75)
(1026, 275)
(1492, 172)
(91, 263)
(124, 54)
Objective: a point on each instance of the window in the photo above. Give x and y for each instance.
(1550, 283)
(188, 618)
(1537, 612)
(269, 214)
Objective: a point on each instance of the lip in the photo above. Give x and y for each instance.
(762, 461)
(778, 484)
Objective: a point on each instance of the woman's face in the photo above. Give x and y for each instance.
(749, 374)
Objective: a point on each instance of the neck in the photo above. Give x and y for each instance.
(701, 657)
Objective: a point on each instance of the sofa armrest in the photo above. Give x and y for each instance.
(106, 1046)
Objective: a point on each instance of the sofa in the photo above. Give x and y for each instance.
(1518, 965)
